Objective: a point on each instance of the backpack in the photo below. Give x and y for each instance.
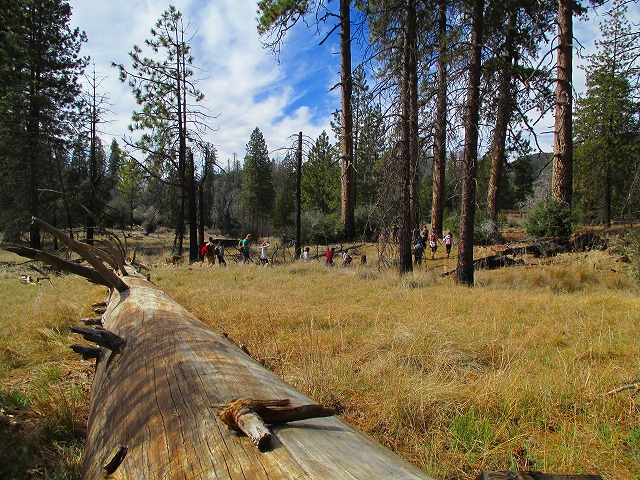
(204, 250)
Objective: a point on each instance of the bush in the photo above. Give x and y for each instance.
(630, 247)
(320, 228)
(549, 218)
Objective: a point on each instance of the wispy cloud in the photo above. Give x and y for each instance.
(244, 85)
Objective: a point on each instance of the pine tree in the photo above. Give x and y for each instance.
(276, 18)
(464, 268)
(40, 87)
(258, 193)
(164, 88)
(607, 131)
(321, 178)
(285, 200)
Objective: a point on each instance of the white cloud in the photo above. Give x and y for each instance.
(244, 85)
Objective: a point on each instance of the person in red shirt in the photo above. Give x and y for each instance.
(329, 256)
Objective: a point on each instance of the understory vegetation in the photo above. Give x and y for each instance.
(511, 374)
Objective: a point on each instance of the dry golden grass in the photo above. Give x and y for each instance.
(43, 384)
(510, 374)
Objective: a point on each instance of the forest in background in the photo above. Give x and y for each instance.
(431, 131)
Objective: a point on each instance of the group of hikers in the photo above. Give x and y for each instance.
(420, 244)
(346, 257)
(210, 251)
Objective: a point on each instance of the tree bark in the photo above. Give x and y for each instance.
(348, 183)
(464, 270)
(414, 140)
(440, 133)
(406, 212)
(503, 116)
(155, 405)
(298, 197)
(562, 187)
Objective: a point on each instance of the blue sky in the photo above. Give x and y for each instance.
(245, 85)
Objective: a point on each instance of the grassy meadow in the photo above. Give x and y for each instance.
(511, 374)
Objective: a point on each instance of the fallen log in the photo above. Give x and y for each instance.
(154, 407)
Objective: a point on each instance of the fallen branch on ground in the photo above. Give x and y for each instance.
(631, 386)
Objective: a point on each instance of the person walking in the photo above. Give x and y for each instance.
(448, 243)
(220, 254)
(264, 257)
(209, 252)
(305, 254)
(346, 259)
(433, 243)
(245, 246)
(329, 256)
(418, 250)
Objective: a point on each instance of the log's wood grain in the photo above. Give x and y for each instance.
(157, 397)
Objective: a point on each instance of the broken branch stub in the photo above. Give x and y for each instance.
(250, 416)
(92, 321)
(115, 459)
(87, 351)
(100, 336)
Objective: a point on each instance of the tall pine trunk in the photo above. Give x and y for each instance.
(563, 141)
(348, 183)
(408, 72)
(201, 240)
(503, 116)
(298, 197)
(440, 127)
(464, 270)
(414, 140)
(193, 211)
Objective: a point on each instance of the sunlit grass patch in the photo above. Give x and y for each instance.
(45, 387)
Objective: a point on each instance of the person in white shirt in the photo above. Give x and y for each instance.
(264, 257)
(448, 242)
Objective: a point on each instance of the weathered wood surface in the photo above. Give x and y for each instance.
(157, 398)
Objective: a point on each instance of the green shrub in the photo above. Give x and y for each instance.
(549, 219)
(630, 246)
(321, 228)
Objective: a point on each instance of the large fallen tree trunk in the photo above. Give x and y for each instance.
(154, 407)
